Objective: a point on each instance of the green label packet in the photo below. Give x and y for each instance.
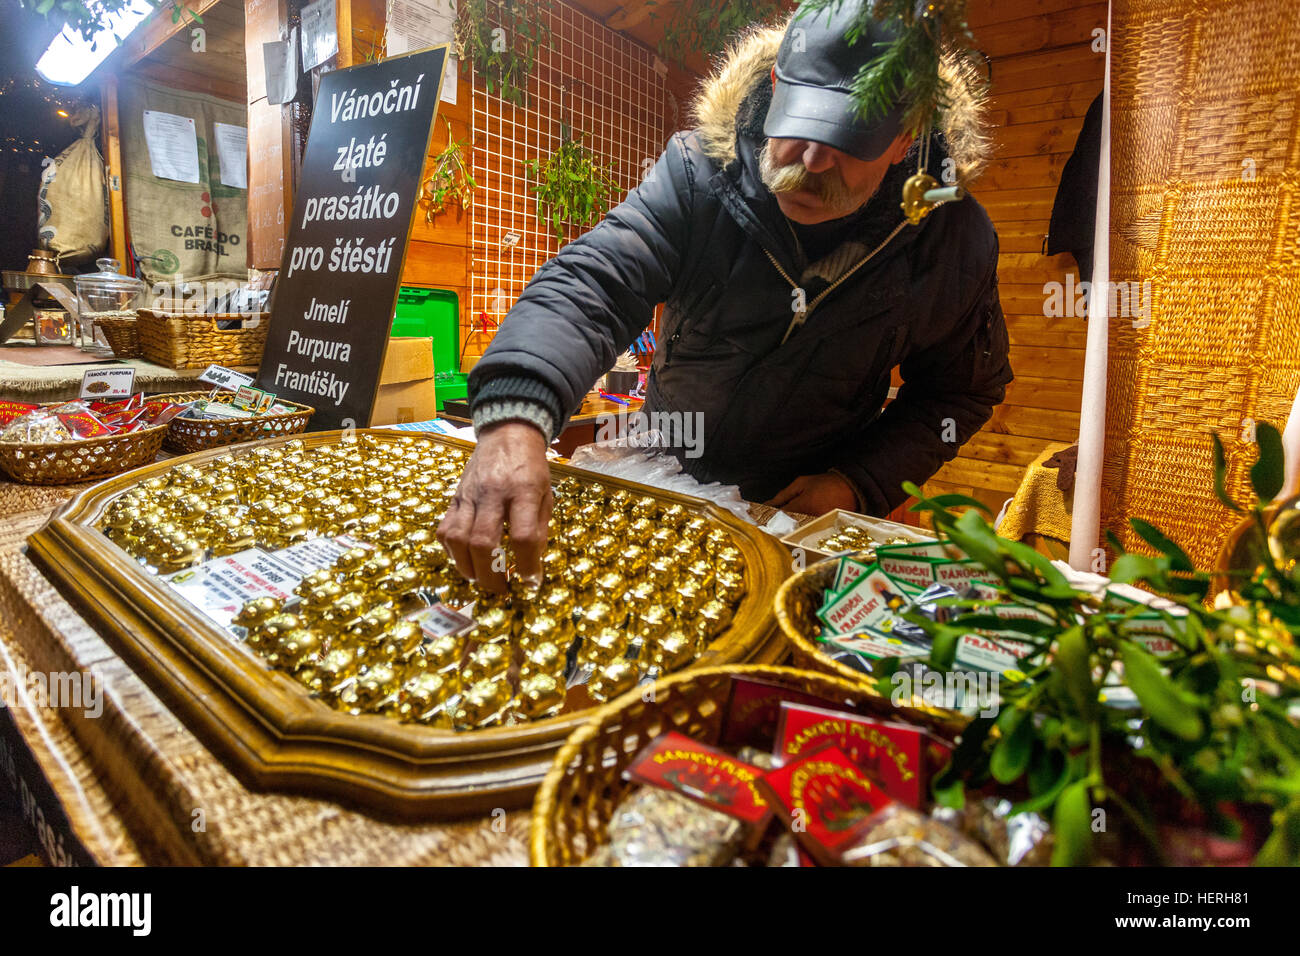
(923, 572)
(871, 597)
(875, 646)
(849, 571)
(1155, 632)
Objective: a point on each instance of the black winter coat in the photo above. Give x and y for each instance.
(710, 242)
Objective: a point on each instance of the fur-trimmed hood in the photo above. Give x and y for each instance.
(748, 63)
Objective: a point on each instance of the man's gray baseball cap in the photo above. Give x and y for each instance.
(815, 67)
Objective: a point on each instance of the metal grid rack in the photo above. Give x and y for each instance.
(611, 91)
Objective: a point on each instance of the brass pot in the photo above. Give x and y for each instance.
(1245, 547)
(44, 263)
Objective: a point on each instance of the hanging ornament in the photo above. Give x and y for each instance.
(922, 192)
(915, 206)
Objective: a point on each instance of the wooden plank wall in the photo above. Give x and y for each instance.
(1045, 74)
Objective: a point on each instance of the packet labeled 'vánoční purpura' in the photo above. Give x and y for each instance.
(900, 757)
(820, 796)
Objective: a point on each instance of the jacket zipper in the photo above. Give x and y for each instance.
(801, 315)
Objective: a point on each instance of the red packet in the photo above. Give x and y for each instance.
(160, 413)
(821, 797)
(9, 411)
(109, 408)
(708, 776)
(754, 709)
(893, 754)
(83, 425)
(120, 419)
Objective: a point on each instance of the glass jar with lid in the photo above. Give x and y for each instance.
(107, 290)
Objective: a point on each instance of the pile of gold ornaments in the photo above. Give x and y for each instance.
(854, 537)
(632, 587)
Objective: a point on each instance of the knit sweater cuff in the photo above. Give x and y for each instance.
(520, 388)
(507, 410)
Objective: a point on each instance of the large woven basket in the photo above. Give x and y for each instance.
(185, 435)
(122, 332)
(181, 340)
(585, 783)
(65, 463)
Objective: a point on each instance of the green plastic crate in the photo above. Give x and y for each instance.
(450, 385)
(434, 313)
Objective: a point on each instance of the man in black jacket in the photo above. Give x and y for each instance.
(793, 286)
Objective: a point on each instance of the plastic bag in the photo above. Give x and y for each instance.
(900, 836)
(635, 459)
(39, 427)
(654, 827)
(1021, 839)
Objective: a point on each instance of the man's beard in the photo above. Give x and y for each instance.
(829, 186)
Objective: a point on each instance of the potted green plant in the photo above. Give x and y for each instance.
(1211, 734)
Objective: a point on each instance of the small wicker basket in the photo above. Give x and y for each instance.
(585, 783)
(182, 340)
(65, 463)
(121, 329)
(796, 604)
(185, 435)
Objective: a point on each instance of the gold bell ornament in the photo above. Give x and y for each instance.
(922, 192)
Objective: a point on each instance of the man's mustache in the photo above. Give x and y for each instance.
(828, 186)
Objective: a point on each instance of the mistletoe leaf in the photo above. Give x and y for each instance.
(1072, 824)
(1267, 474)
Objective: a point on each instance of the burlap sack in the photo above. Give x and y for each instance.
(181, 229)
(72, 206)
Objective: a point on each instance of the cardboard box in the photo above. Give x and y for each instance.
(406, 386)
(810, 535)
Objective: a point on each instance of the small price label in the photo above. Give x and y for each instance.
(223, 377)
(439, 619)
(106, 383)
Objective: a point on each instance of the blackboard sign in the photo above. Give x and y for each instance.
(360, 179)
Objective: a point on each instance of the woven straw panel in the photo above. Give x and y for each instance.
(1156, 48)
(1198, 88)
(1136, 218)
(1236, 129)
(67, 770)
(133, 778)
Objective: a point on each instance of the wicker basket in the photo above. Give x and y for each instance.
(185, 435)
(122, 332)
(181, 340)
(796, 604)
(65, 463)
(585, 783)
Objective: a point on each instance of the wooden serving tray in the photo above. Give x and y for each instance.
(275, 736)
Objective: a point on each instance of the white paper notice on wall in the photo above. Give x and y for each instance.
(320, 38)
(232, 154)
(416, 24)
(173, 145)
(280, 57)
